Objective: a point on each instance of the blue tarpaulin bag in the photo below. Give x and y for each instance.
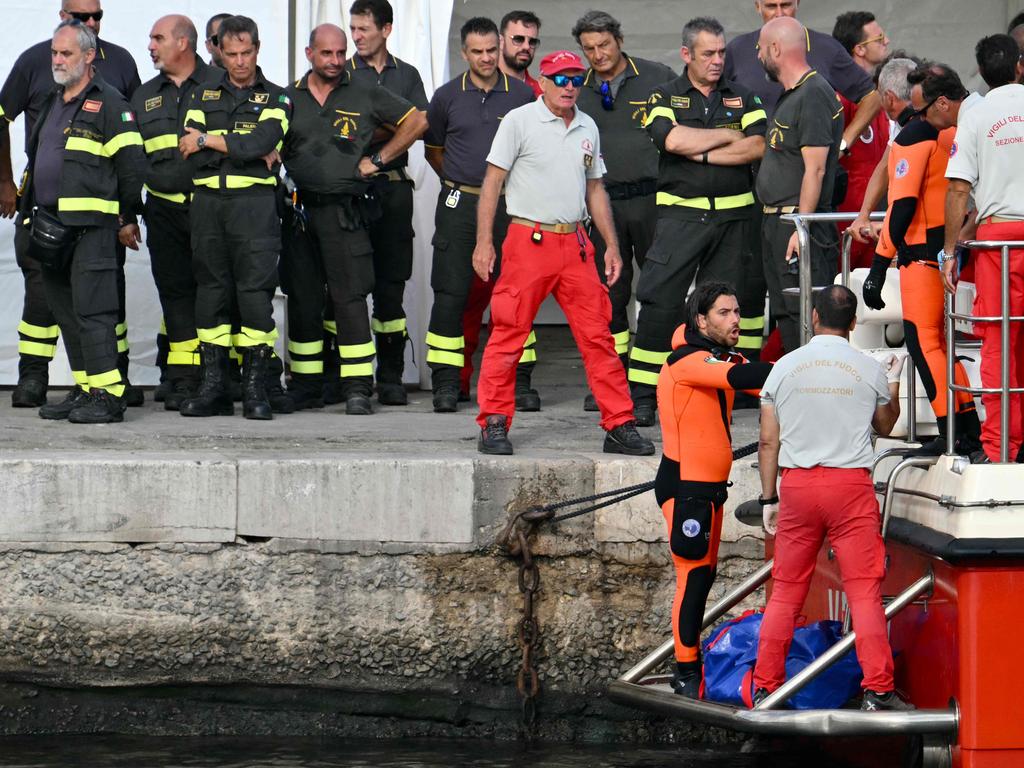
(731, 651)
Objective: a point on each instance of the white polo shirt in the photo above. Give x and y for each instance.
(988, 152)
(548, 163)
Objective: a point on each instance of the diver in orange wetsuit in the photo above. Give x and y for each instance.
(914, 229)
(696, 387)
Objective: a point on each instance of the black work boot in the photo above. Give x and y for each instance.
(686, 679)
(60, 411)
(333, 392)
(100, 407)
(213, 397)
(446, 398)
(255, 402)
(280, 400)
(590, 403)
(644, 409)
(494, 437)
(30, 393)
(179, 391)
(163, 389)
(884, 702)
(390, 365)
(527, 398)
(234, 378)
(306, 390)
(358, 405)
(625, 439)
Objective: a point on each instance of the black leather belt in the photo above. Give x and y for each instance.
(630, 189)
(322, 198)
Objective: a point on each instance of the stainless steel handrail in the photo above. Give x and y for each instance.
(913, 461)
(1004, 320)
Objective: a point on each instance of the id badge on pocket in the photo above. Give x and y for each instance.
(453, 198)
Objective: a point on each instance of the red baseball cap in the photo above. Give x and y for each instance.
(560, 61)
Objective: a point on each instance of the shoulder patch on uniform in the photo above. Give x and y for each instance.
(679, 102)
(127, 117)
(902, 168)
(211, 95)
(952, 149)
(91, 105)
(260, 98)
(283, 98)
(654, 98)
(736, 102)
(757, 99)
(155, 103)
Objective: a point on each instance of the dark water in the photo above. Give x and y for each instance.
(143, 752)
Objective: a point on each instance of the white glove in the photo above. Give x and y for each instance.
(892, 363)
(770, 516)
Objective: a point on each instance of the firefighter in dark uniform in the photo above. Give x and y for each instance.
(615, 95)
(160, 106)
(464, 115)
(85, 155)
(334, 118)
(392, 234)
(708, 131)
(235, 122)
(29, 84)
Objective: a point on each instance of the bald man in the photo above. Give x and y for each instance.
(798, 170)
(160, 106)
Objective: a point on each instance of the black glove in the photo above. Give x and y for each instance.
(875, 280)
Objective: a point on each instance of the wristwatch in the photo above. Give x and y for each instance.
(943, 258)
(375, 158)
(201, 140)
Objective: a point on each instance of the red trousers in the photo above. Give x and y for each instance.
(529, 273)
(472, 324)
(839, 504)
(988, 280)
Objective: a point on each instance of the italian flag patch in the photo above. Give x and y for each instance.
(127, 117)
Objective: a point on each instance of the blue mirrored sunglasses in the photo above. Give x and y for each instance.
(607, 100)
(563, 80)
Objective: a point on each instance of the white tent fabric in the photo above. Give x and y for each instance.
(420, 36)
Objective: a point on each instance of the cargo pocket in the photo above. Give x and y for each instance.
(96, 289)
(691, 528)
(660, 250)
(505, 309)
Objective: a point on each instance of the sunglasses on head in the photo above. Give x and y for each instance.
(84, 16)
(520, 39)
(607, 100)
(563, 80)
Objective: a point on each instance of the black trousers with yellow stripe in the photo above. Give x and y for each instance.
(704, 245)
(169, 239)
(38, 330)
(84, 299)
(236, 242)
(391, 239)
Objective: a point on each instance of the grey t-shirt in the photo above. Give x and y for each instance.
(825, 395)
(53, 135)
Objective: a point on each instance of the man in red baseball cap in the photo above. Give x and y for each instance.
(547, 154)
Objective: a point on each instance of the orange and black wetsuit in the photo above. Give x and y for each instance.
(914, 226)
(696, 388)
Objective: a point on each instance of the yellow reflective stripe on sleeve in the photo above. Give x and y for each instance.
(643, 377)
(195, 116)
(155, 144)
(646, 356)
(530, 340)
(621, 342)
(122, 140)
(81, 378)
(221, 335)
(305, 347)
(752, 117)
(454, 343)
(183, 357)
(749, 342)
(163, 328)
(751, 323)
(121, 329)
(331, 327)
(275, 113)
(660, 112)
(455, 359)
(103, 380)
(357, 369)
(122, 345)
(76, 204)
(528, 356)
(174, 197)
(39, 331)
(705, 203)
(36, 348)
(387, 326)
(223, 132)
(250, 337)
(350, 351)
(306, 366)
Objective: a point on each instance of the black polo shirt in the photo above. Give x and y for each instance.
(463, 120)
(807, 115)
(628, 152)
(323, 145)
(30, 81)
(53, 135)
(684, 184)
(400, 78)
(824, 54)
(160, 107)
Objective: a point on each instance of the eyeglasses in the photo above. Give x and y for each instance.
(520, 39)
(563, 80)
(84, 16)
(876, 39)
(213, 40)
(607, 100)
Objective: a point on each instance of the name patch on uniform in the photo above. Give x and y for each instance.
(155, 103)
(679, 102)
(735, 102)
(211, 95)
(84, 133)
(92, 105)
(244, 125)
(902, 168)
(588, 160)
(260, 98)
(346, 123)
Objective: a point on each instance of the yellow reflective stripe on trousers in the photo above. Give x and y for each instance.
(456, 359)
(752, 117)
(104, 380)
(528, 356)
(752, 323)
(646, 356)
(122, 345)
(350, 351)
(387, 326)
(174, 197)
(250, 337)
(531, 339)
(155, 144)
(36, 348)
(39, 331)
(453, 343)
(305, 347)
(221, 335)
(306, 366)
(189, 345)
(163, 328)
(182, 357)
(77, 204)
(331, 327)
(621, 340)
(643, 377)
(357, 369)
(81, 378)
(704, 203)
(660, 112)
(121, 329)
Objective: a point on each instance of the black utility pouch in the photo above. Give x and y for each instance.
(51, 242)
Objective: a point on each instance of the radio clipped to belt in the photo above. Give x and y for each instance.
(537, 236)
